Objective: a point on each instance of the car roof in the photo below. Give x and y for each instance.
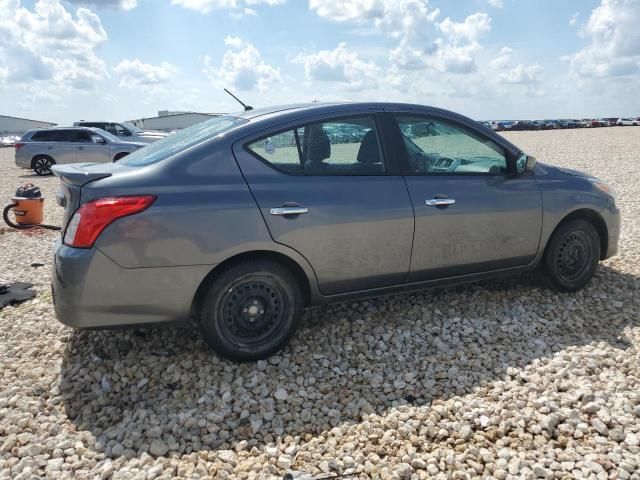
(321, 107)
(48, 129)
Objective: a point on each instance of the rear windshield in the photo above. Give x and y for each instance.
(182, 140)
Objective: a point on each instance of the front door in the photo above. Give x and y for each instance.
(89, 151)
(472, 214)
(324, 190)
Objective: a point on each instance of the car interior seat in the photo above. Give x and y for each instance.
(369, 159)
(318, 149)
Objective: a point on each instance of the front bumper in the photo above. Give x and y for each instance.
(611, 217)
(92, 291)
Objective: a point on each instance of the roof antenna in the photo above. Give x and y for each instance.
(246, 107)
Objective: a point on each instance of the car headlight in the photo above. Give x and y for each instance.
(603, 187)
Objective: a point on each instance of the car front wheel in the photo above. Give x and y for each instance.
(251, 310)
(572, 255)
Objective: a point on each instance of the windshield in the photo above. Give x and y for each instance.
(107, 135)
(177, 142)
(132, 127)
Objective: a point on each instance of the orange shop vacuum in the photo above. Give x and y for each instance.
(28, 209)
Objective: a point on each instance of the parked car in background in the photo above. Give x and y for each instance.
(626, 122)
(40, 149)
(8, 141)
(220, 224)
(125, 131)
(613, 121)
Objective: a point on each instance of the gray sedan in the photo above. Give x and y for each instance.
(244, 220)
(40, 149)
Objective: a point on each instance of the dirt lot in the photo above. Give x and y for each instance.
(501, 379)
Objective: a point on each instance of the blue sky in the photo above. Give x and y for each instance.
(64, 60)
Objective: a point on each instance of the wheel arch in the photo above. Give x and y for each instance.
(292, 265)
(595, 219)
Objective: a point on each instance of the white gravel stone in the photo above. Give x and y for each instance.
(501, 379)
(158, 447)
(281, 394)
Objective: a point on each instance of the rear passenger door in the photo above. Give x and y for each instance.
(325, 189)
(62, 146)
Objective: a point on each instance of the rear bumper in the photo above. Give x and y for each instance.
(23, 161)
(92, 291)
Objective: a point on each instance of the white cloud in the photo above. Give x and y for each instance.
(412, 23)
(523, 74)
(122, 4)
(135, 73)
(573, 21)
(408, 21)
(339, 65)
(456, 53)
(452, 58)
(614, 48)
(206, 6)
(242, 67)
(50, 44)
(469, 30)
(496, 3)
(519, 74)
(503, 59)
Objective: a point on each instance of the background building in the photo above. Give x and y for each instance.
(167, 121)
(17, 126)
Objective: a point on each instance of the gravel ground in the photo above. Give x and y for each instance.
(499, 380)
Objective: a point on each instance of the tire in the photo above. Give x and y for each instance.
(42, 165)
(119, 156)
(251, 310)
(572, 255)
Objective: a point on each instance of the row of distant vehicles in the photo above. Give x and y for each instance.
(515, 125)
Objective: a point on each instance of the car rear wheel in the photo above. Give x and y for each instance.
(251, 310)
(42, 165)
(572, 255)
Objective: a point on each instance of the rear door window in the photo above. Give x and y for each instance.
(344, 146)
(41, 136)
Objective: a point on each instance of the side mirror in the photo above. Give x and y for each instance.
(97, 139)
(525, 163)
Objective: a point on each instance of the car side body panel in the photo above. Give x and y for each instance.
(563, 194)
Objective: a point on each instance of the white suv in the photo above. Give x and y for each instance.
(124, 130)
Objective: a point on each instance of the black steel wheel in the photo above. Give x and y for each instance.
(572, 255)
(42, 165)
(251, 310)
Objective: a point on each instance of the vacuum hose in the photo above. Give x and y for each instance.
(5, 216)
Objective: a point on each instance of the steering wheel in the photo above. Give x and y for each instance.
(421, 162)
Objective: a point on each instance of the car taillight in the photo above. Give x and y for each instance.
(93, 217)
(18, 146)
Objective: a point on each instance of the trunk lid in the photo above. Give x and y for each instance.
(72, 178)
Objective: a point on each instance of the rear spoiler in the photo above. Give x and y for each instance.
(79, 174)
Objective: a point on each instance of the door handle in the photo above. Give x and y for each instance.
(440, 202)
(288, 210)
(80, 148)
